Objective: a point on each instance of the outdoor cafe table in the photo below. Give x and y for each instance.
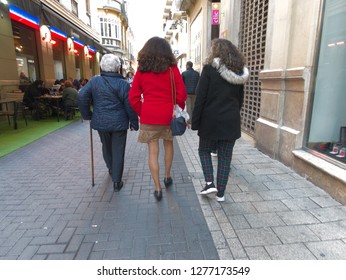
(14, 101)
(57, 98)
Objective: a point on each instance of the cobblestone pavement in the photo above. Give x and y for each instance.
(49, 210)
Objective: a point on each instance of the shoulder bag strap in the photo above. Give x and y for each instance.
(111, 88)
(174, 93)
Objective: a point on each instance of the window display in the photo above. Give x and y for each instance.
(328, 116)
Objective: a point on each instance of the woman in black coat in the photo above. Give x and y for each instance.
(216, 116)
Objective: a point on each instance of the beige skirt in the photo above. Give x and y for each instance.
(148, 132)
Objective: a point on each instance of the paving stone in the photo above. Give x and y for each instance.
(295, 234)
(328, 250)
(329, 214)
(329, 231)
(257, 253)
(298, 217)
(257, 237)
(325, 201)
(269, 206)
(28, 252)
(300, 203)
(51, 249)
(239, 222)
(246, 196)
(236, 248)
(289, 252)
(262, 220)
(74, 243)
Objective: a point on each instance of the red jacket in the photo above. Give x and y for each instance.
(156, 106)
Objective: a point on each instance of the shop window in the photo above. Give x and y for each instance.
(26, 54)
(59, 62)
(196, 31)
(110, 31)
(327, 133)
(74, 7)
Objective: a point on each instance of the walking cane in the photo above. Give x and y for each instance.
(92, 156)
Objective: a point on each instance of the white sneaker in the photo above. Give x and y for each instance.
(208, 189)
(213, 154)
(220, 196)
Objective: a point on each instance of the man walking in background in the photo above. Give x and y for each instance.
(190, 78)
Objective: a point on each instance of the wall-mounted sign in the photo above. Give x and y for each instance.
(215, 13)
(23, 17)
(45, 33)
(58, 33)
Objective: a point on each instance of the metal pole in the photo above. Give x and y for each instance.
(92, 156)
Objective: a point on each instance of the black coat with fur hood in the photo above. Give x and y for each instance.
(220, 95)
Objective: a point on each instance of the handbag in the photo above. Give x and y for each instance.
(178, 124)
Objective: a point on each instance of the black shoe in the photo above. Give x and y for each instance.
(168, 181)
(158, 195)
(117, 186)
(208, 189)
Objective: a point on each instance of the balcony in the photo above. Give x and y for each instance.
(111, 5)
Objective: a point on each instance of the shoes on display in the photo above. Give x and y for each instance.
(342, 153)
(336, 149)
(208, 189)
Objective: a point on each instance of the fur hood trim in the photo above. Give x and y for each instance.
(228, 75)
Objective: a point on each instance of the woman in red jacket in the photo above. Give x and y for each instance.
(151, 98)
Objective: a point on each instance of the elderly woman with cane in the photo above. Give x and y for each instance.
(104, 101)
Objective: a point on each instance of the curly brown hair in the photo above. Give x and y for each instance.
(228, 53)
(156, 56)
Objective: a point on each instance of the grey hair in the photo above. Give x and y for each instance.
(110, 63)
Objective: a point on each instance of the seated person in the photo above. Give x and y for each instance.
(69, 97)
(30, 99)
(31, 93)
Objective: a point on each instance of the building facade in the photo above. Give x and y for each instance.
(59, 39)
(113, 27)
(294, 107)
(175, 31)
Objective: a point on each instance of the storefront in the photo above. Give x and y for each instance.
(59, 49)
(49, 47)
(24, 27)
(327, 136)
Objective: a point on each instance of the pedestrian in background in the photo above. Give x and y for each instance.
(220, 95)
(111, 114)
(151, 98)
(190, 78)
(129, 77)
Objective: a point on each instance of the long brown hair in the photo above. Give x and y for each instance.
(156, 56)
(228, 53)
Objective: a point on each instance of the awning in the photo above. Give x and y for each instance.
(50, 17)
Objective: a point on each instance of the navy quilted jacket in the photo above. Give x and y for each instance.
(107, 104)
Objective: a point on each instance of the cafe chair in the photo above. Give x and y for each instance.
(8, 111)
